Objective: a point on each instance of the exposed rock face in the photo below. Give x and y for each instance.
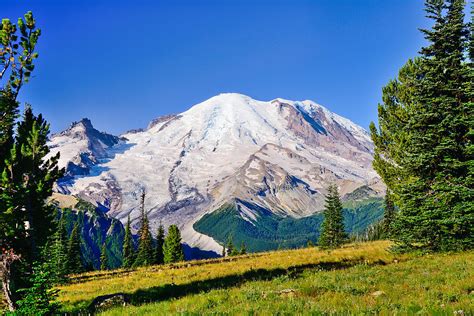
(278, 155)
(165, 119)
(82, 146)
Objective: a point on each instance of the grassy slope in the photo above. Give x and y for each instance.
(320, 281)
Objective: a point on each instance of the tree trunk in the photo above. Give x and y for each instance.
(7, 258)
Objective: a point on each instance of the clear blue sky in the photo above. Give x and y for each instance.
(123, 63)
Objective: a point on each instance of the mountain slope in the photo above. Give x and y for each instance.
(278, 155)
(95, 227)
(262, 230)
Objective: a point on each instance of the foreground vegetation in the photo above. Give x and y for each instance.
(358, 277)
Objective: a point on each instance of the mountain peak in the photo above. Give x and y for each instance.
(232, 96)
(224, 99)
(81, 147)
(85, 122)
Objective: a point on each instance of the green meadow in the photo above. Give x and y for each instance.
(364, 278)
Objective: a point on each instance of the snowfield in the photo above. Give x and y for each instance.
(278, 154)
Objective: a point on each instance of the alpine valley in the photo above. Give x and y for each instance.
(229, 167)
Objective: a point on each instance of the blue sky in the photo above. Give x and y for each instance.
(123, 63)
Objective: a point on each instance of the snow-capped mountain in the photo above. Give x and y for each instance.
(81, 146)
(278, 156)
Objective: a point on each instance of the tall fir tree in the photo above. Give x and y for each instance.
(145, 240)
(128, 252)
(388, 216)
(160, 241)
(172, 248)
(332, 228)
(423, 146)
(74, 262)
(31, 180)
(58, 251)
(26, 177)
(104, 259)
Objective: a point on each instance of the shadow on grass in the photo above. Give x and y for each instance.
(175, 291)
(104, 275)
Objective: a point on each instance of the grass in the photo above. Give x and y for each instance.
(359, 278)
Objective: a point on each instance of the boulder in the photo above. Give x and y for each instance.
(107, 301)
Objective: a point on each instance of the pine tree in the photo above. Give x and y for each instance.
(58, 251)
(17, 44)
(26, 178)
(172, 248)
(40, 298)
(160, 240)
(27, 181)
(423, 146)
(243, 249)
(128, 251)
(9, 110)
(104, 261)
(26, 219)
(145, 241)
(388, 216)
(332, 228)
(73, 259)
(223, 251)
(230, 247)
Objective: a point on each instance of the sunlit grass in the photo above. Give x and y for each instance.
(292, 281)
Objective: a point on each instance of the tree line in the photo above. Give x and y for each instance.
(65, 251)
(229, 250)
(165, 249)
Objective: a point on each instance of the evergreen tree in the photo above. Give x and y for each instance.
(223, 251)
(26, 183)
(104, 261)
(332, 228)
(17, 47)
(73, 259)
(243, 249)
(423, 146)
(26, 178)
(9, 110)
(172, 249)
(160, 240)
(230, 247)
(388, 216)
(145, 241)
(58, 251)
(40, 298)
(128, 251)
